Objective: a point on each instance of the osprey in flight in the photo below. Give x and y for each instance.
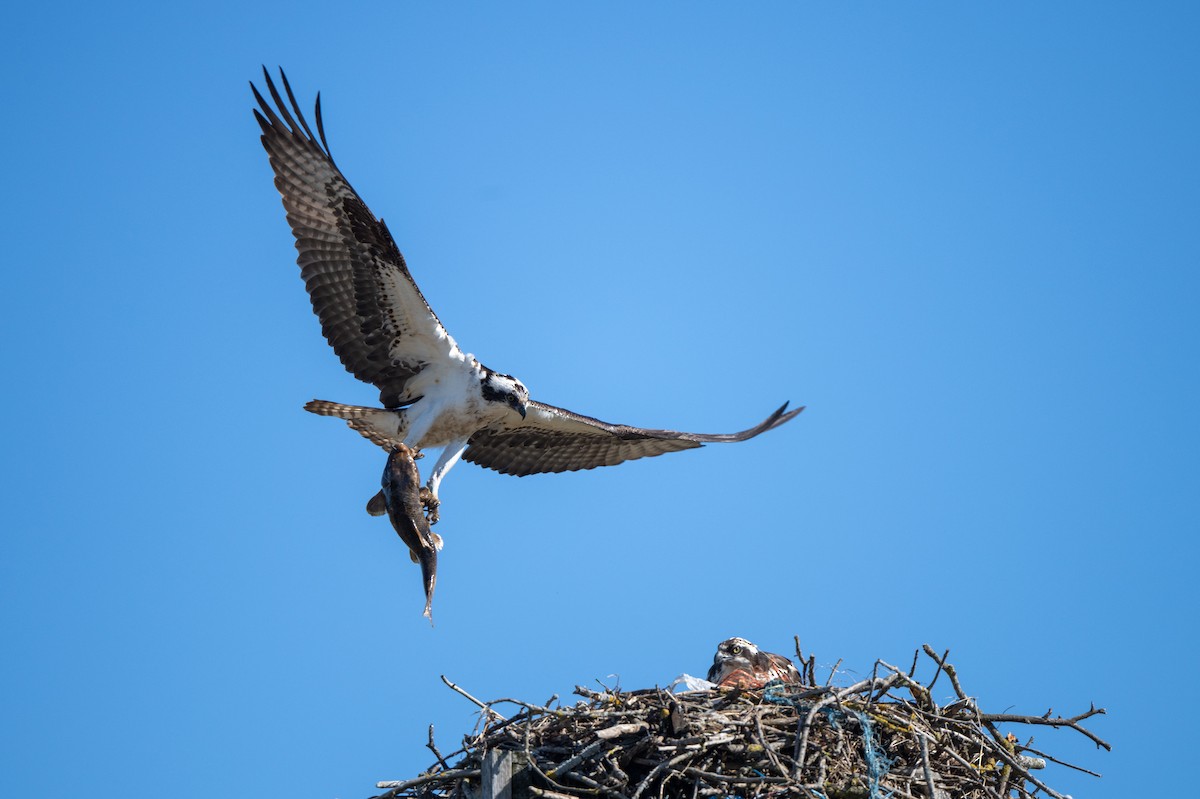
(379, 324)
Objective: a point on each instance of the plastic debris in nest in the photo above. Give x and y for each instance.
(883, 736)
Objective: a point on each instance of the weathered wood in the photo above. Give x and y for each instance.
(497, 774)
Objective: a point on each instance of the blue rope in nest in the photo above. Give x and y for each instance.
(877, 762)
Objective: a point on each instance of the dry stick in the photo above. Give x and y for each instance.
(433, 748)
(833, 671)
(1000, 753)
(879, 693)
(536, 791)
(472, 699)
(972, 769)
(533, 765)
(564, 768)
(920, 692)
(1025, 775)
(1017, 762)
(1005, 778)
(732, 780)
(531, 708)
(1060, 762)
(807, 665)
(950, 672)
(397, 787)
(591, 783)
(925, 766)
(666, 764)
(1072, 722)
(762, 739)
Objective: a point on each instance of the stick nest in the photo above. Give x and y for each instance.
(883, 736)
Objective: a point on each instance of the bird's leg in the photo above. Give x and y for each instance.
(430, 502)
(429, 494)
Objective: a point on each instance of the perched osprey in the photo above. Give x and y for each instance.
(740, 664)
(385, 333)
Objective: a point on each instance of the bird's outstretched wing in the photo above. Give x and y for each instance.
(371, 311)
(556, 440)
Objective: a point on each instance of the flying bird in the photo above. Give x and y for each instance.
(400, 500)
(377, 321)
(740, 664)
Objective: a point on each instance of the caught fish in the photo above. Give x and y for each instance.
(400, 499)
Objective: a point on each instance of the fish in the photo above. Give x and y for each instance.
(401, 501)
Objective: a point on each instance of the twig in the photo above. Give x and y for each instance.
(441, 776)
(833, 672)
(762, 739)
(925, 766)
(1058, 721)
(536, 791)
(591, 783)
(929, 650)
(433, 748)
(564, 768)
(1028, 748)
(472, 699)
(730, 779)
(950, 672)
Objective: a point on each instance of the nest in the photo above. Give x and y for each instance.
(883, 736)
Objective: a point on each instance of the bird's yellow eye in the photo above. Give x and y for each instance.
(737, 649)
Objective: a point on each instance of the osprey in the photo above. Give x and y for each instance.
(377, 321)
(740, 664)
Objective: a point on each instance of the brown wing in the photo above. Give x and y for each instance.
(556, 440)
(782, 668)
(371, 311)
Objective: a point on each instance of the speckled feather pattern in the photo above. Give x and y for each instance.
(385, 333)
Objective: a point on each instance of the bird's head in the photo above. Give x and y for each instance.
(505, 390)
(734, 653)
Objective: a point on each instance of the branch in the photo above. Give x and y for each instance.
(473, 700)
(398, 787)
(1058, 721)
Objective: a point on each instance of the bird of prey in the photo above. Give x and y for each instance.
(377, 321)
(400, 499)
(740, 664)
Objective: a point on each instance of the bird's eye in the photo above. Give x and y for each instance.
(737, 649)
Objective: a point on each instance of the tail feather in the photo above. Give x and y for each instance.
(380, 426)
(340, 410)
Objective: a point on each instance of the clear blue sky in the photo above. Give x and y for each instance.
(964, 235)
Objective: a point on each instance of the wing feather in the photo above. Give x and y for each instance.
(556, 440)
(371, 311)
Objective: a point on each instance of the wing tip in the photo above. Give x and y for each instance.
(783, 415)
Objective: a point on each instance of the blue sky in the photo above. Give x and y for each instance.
(964, 235)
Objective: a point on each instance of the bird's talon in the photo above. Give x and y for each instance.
(430, 503)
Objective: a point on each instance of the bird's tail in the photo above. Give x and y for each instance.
(380, 426)
(340, 410)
